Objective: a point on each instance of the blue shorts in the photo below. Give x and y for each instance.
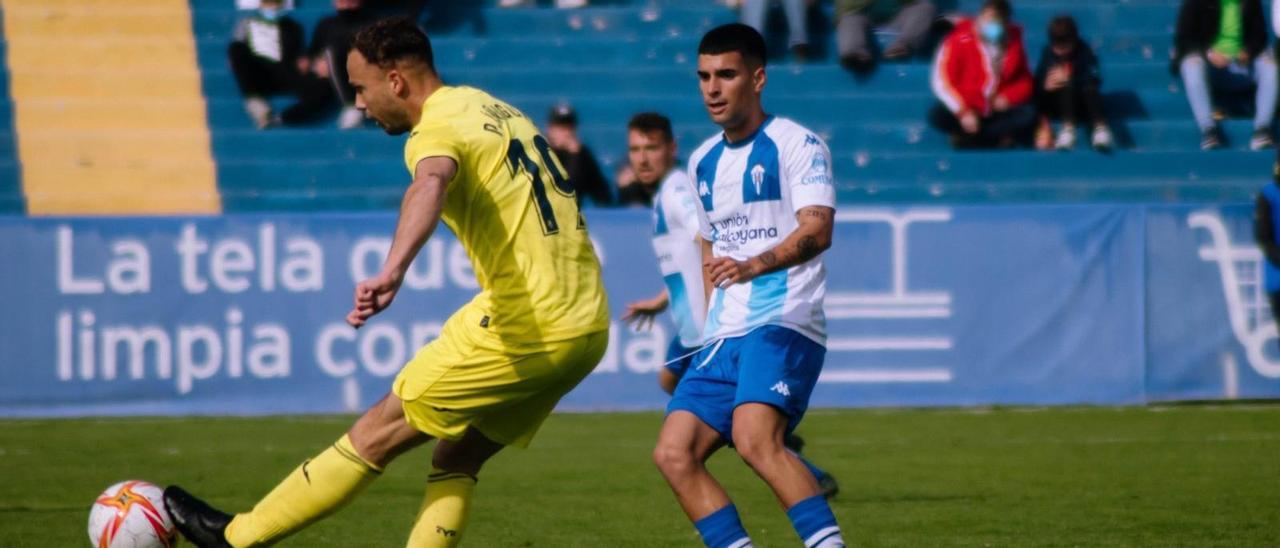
(679, 357)
(771, 365)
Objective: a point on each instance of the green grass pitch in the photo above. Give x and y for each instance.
(1160, 476)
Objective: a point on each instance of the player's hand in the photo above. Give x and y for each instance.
(1000, 103)
(1044, 136)
(641, 314)
(563, 138)
(726, 272)
(626, 177)
(1056, 79)
(372, 296)
(321, 67)
(1217, 59)
(969, 122)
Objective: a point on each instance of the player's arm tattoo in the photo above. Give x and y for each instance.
(808, 248)
(768, 258)
(810, 239)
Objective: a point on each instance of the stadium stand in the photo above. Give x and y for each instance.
(10, 169)
(623, 56)
(107, 108)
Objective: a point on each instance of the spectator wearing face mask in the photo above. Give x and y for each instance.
(982, 81)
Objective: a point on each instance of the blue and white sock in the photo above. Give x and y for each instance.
(815, 523)
(723, 529)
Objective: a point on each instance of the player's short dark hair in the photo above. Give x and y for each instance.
(389, 41)
(1063, 31)
(733, 37)
(1001, 7)
(647, 122)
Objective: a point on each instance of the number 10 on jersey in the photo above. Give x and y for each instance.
(518, 157)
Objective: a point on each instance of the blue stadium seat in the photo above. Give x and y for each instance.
(623, 56)
(10, 169)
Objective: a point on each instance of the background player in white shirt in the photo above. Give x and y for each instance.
(766, 206)
(651, 155)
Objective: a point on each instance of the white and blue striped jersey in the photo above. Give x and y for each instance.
(749, 193)
(675, 241)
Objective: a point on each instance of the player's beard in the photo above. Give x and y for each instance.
(394, 130)
(396, 126)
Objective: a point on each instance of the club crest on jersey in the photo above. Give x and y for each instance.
(757, 178)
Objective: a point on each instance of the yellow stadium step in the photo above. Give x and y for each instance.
(91, 53)
(123, 114)
(114, 148)
(63, 4)
(108, 109)
(34, 19)
(44, 83)
(99, 199)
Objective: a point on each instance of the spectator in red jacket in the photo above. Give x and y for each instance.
(983, 82)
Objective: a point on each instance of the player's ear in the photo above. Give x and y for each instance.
(397, 82)
(758, 78)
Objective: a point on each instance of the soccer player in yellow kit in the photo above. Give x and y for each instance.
(538, 326)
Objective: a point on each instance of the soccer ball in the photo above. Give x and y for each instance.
(131, 514)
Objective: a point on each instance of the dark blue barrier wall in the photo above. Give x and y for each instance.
(242, 314)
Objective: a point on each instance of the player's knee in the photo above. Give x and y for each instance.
(466, 455)
(457, 461)
(673, 460)
(756, 448)
(462, 458)
(369, 445)
(382, 433)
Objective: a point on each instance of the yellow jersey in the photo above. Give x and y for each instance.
(514, 211)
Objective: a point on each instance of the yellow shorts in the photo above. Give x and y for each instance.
(463, 379)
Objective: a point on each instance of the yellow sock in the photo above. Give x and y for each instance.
(444, 512)
(312, 491)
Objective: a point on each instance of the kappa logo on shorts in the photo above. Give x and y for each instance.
(782, 388)
(484, 322)
(446, 532)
